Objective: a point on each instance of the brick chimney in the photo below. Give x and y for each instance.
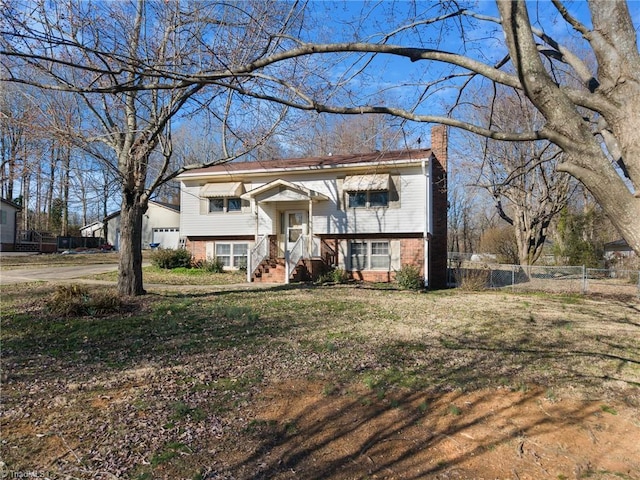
(439, 144)
(438, 241)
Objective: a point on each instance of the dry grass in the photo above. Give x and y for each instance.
(212, 385)
(182, 276)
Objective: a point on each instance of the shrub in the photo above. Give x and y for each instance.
(212, 266)
(169, 258)
(335, 275)
(409, 278)
(472, 279)
(500, 241)
(76, 300)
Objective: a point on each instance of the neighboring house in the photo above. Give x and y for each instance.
(289, 219)
(93, 230)
(8, 225)
(619, 246)
(160, 226)
(619, 254)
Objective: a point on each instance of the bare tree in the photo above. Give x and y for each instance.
(319, 135)
(594, 124)
(129, 64)
(466, 221)
(15, 121)
(521, 177)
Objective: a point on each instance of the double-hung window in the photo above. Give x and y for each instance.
(222, 205)
(367, 191)
(232, 255)
(380, 259)
(358, 253)
(367, 199)
(370, 255)
(221, 197)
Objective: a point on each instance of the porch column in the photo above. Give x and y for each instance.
(310, 230)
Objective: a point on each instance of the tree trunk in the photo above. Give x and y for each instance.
(25, 184)
(585, 160)
(64, 189)
(130, 246)
(51, 186)
(105, 212)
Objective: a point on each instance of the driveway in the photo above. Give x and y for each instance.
(66, 274)
(52, 273)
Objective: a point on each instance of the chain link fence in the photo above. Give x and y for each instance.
(553, 279)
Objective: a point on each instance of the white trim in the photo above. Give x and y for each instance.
(290, 192)
(306, 168)
(368, 243)
(212, 252)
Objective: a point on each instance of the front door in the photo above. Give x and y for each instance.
(295, 225)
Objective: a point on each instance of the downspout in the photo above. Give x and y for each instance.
(253, 205)
(310, 230)
(428, 216)
(15, 229)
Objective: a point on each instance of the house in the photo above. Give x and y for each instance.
(619, 246)
(618, 254)
(92, 230)
(8, 224)
(289, 219)
(160, 226)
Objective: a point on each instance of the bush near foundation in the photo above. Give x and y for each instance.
(169, 258)
(409, 278)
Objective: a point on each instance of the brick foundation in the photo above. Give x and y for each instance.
(198, 248)
(198, 245)
(412, 252)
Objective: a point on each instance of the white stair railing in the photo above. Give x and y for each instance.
(257, 255)
(294, 255)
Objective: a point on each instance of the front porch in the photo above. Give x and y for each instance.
(34, 241)
(286, 248)
(307, 260)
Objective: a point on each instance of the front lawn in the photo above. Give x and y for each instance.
(182, 276)
(322, 382)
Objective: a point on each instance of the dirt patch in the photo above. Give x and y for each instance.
(299, 429)
(490, 433)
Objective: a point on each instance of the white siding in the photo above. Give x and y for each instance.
(406, 217)
(329, 217)
(8, 224)
(113, 228)
(195, 223)
(267, 219)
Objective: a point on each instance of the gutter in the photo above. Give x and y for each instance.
(199, 174)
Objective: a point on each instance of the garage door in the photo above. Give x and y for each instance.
(166, 237)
